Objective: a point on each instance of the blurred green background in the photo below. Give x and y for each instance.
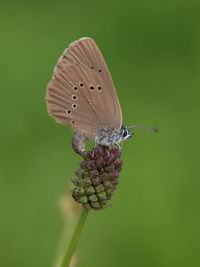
(153, 52)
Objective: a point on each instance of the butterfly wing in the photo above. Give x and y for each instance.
(81, 93)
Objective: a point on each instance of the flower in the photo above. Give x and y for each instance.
(97, 177)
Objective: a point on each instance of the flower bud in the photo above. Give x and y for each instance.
(97, 177)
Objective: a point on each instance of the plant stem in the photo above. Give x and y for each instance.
(75, 237)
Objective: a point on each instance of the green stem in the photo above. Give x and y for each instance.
(75, 237)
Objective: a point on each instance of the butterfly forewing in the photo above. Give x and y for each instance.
(81, 93)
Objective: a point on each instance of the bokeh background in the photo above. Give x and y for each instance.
(152, 49)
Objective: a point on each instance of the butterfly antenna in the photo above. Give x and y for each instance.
(153, 129)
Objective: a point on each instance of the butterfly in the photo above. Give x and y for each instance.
(81, 94)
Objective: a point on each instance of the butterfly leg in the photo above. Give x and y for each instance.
(78, 143)
(95, 142)
(119, 146)
(95, 145)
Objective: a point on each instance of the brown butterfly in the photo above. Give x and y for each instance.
(81, 94)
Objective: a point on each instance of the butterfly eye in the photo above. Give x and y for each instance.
(125, 133)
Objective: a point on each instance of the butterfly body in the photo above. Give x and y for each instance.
(107, 137)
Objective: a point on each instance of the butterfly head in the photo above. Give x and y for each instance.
(125, 133)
